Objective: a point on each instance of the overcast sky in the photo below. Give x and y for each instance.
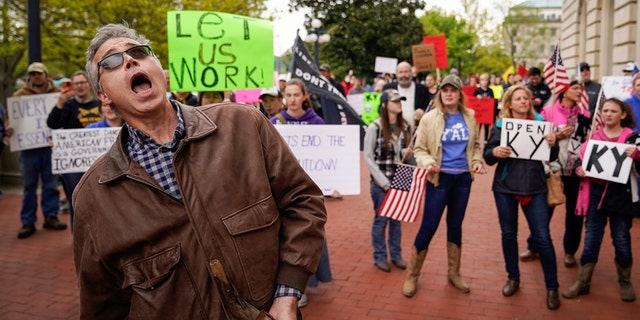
(286, 24)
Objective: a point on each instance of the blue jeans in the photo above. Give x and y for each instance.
(453, 193)
(35, 165)
(537, 215)
(323, 272)
(378, 228)
(620, 224)
(69, 183)
(572, 223)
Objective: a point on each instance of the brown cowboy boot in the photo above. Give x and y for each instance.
(453, 252)
(583, 285)
(626, 289)
(413, 271)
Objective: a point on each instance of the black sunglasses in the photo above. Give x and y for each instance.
(114, 60)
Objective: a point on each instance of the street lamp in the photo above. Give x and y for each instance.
(317, 36)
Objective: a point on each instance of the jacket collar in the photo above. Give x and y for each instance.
(117, 162)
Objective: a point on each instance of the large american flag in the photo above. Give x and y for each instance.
(555, 74)
(405, 194)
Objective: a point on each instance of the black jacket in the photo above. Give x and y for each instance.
(421, 97)
(516, 176)
(74, 115)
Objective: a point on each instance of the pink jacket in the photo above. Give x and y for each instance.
(582, 205)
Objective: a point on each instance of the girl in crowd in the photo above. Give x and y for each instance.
(571, 124)
(609, 201)
(484, 92)
(386, 141)
(209, 97)
(430, 82)
(299, 108)
(300, 111)
(522, 182)
(447, 146)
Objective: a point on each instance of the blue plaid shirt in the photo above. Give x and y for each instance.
(156, 160)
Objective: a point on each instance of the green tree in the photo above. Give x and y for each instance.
(362, 30)
(12, 44)
(459, 41)
(68, 26)
(523, 28)
(472, 46)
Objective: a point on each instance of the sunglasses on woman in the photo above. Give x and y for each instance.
(114, 60)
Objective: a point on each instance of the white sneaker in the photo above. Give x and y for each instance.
(303, 301)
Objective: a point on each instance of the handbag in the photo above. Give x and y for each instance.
(555, 189)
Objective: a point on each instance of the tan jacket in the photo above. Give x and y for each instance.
(27, 89)
(428, 146)
(140, 253)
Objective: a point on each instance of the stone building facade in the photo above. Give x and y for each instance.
(604, 33)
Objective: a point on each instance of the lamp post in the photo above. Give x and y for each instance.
(317, 36)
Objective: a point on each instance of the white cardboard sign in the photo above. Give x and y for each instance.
(75, 150)
(607, 161)
(386, 65)
(28, 118)
(617, 87)
(525, 137)
(330, 154)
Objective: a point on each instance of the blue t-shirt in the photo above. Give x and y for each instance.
(455, 138)
(99, 124)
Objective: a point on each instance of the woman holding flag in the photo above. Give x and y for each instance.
(386, 142)
(603, 200)
(447, 145)
(522, 182)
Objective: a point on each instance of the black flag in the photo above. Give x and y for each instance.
(335, 108)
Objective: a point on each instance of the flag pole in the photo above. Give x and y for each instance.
(596, 111)
(555, 62)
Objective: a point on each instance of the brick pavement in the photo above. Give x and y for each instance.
(37, 279)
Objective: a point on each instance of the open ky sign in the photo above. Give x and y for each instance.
(525, 138)
(607, 161)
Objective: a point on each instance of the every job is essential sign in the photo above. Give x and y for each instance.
(28, 117)
(330, 154)
(607, 161)
(525, 138)
(75, 150)
(215, 51)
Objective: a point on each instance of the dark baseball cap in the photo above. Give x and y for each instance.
(391, 95)
(583, 65)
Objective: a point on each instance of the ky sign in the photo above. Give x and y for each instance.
(525, 138)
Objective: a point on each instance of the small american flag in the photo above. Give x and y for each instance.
(405, 194)
(584, 98)
(598, 123)
(555, 74)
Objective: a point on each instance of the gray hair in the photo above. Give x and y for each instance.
(103, 34)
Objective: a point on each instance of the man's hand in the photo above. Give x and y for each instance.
(284, 308)
(64, 96)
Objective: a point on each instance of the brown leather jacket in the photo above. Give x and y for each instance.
(141, 254)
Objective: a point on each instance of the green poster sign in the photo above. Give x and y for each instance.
(370, 106)
(215, 51)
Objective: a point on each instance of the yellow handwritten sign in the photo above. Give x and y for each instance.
(215, 51)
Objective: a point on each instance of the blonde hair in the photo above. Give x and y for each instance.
(506, 101)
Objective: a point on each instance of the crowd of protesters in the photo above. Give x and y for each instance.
(426, 120)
